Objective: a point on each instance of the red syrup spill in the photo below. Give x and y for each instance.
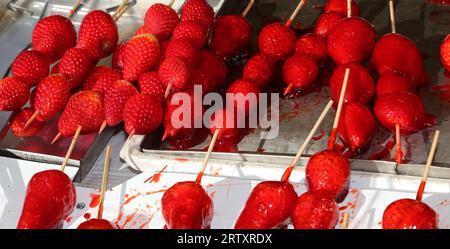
(260, 150)
(95, 200)
(181, 160)
(319, 137)
(384, 152)
(87, 216)
(186, 142)
(155, 178)
(442, 2)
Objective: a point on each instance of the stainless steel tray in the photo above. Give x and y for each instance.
(425, 23)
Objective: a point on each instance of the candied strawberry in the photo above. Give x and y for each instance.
(329, 173)
(183, 48)
(13, 94)
(101, 79)
(360, 86)
(313, 46)
(176, 72)
(140, 55)
(19, 121)
(351, 40)
(231, 35)
(299, 72)
(326, 22)
(314, 210)
(160, 20)
(150, 84)
(356, 125)
(393, 82)
(31, 67)
(115, 99)
(340, 6)
(277, 41)
(142, 114)
(405, 109)
(51, 96)
(445, 53)
(199, 11)
(409, 214)
(191, 30)
(258, 70)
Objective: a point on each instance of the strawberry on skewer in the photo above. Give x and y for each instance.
(115, 99)
(277, 40)
(271, 203)
(186, 205)
(13, 94)
(51, 96)
(231, 34)
(445, 53)
(199, 11)
(99, 222)
(161, 20)
(409, 213)
(18, 124)
(31, 67)
(328, 171)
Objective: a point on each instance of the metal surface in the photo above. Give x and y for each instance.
(424, 23)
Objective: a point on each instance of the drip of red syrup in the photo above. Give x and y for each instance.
(332, 139)
(384, 152)
(420, 190)
(95, 200)
(186, 142)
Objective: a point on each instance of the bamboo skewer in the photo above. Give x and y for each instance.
(248, 8)
(302, 149)
(104, 181)
(70, 150)
(75, 8)
(207, 156)
(392, 16)
(345, 221)
(428, 166)
(295, 13)
(333, 133)
(349, 8)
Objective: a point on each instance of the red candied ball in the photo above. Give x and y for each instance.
(231, 35)
(53, 36)
(340, 6)
(409, 214)
(351, 40)
(356, 125)
(160, 20)
(176, 72)
(393, 82)
(314, 210)
(97, 224)
(219, 121)
(277, 41)
(398, 54)
(191, 30)
(313, 46)
(258, 70)
(19, 121)
(175, 113)
(186, 205)
(299, 72)
(360, 86)
(150, 84)
(329, 173)
(31, 67)
(142, 114)
(199, 11)
(50, 199)
(445, 53)
(405, 109)
(101, 79)
(75, 66)
(246, 95)
(183, 48)
(269, 206)
(210, 73)
(326, 22)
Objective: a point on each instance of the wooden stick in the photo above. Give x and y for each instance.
(332, 140)
(302, 149)
(171, 3)
(398, 142)
(345, 221)
(295, 13)
(104, 181)
(75, 7)
(288, 89)
(349, 8)
(392, 16)
(102, 127)
(70, 150)
(120, 10)
(248, 8)
(56, 138)
(207, 156)
(169, 87)
(428, 166)
(32, 118)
